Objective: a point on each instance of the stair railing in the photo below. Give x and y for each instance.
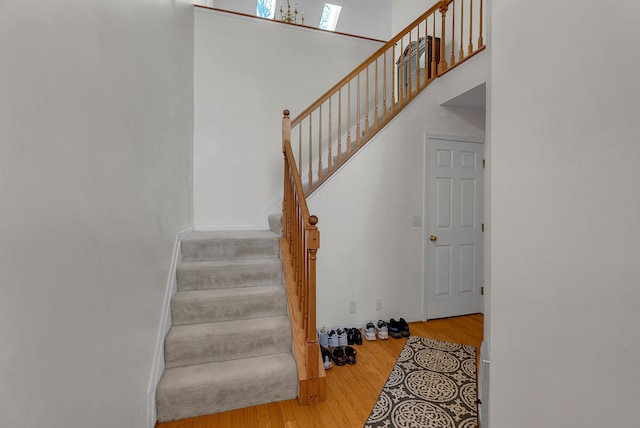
(335, 127)
(339, 123)
(299, 243)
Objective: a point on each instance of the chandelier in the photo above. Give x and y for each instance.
(291, 16)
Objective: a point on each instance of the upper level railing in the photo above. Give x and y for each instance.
(332, 129)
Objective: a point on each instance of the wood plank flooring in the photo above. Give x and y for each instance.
(352, 390)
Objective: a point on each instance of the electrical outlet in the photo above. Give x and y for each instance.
(379, 305)
(352, 307)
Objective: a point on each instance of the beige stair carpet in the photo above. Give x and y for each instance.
(230, 344)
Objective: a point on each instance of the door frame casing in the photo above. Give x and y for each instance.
(425, 213)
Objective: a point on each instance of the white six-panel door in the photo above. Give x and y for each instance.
(454, 247)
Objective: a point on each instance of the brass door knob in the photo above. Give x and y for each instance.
(433, 238)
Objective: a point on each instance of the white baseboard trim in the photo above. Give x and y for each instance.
(165, 324)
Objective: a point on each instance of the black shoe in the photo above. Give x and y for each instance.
(338, 356)
(350, 336)
(357, 336)
(394, 329)
(350, 354)
(404, 328)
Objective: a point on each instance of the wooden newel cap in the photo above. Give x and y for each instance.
(313, 220)
(286, 113)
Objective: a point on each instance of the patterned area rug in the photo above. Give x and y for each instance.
(433, 384)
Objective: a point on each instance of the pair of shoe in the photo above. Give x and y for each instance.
(333, 338)
(380, 329)
(343, 355)
(398, 329)
(354, 337)
(339, 337)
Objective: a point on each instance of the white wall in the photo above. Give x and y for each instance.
(366, 18)
(404, 12)
(369, 247)
(240, 93)
(96, 113)
(565, 294)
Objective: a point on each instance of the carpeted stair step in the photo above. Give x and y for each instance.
(228, 274)
(205, 343)
(230, 245)
(230, 343)
(206, 306)
(217, 387)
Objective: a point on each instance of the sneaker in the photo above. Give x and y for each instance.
(342, 337)
(404, 328)
(369, 331)
(382, 330)
(323, 338)
(333, 339)
(326, 358)
(394, 329)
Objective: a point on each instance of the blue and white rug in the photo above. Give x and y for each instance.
(432, 385)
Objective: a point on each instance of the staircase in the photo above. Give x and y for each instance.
(333, 128)
(230, 344)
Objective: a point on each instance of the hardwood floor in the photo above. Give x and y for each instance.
(352, 390)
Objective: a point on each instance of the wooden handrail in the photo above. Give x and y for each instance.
(347, 109)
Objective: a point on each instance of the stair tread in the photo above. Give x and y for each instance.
(223, 304)
(231, 234)
(265, 261)
(226, 340)
(230, 245)
(229, 274)
(221, 386)
(230, 327)
(223, 370)
(212, 293)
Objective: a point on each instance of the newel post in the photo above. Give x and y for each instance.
(313, 243)
(313, 348)
(286, 136)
